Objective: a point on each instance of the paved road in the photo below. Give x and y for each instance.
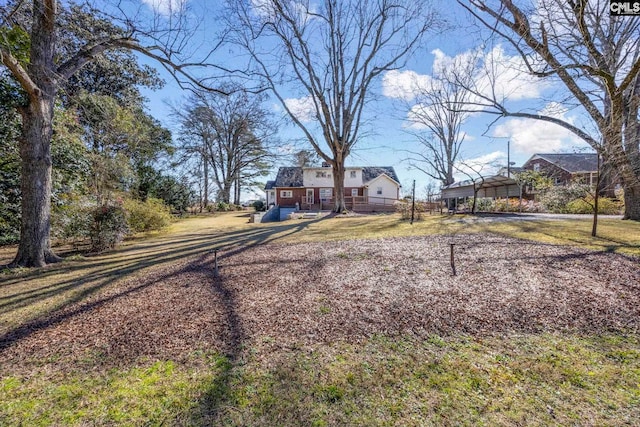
(501, 217)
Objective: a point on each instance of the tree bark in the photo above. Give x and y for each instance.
(631, 201)
(34, 249)
(338, 185)
(205, 196)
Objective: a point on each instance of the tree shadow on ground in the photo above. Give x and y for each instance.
(63, 288)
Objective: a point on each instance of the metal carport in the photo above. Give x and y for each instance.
(494, 187)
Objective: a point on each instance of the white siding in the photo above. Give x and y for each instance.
(271, 197)
(353, 182)
(310, 178)
(386, 186)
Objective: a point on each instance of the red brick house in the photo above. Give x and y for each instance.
(311, 188)
(570, 167)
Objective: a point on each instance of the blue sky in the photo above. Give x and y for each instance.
(387, 138)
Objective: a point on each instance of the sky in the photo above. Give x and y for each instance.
(389, 135)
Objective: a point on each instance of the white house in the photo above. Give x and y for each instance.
(307, 188)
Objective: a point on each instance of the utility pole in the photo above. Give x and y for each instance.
(508, 158)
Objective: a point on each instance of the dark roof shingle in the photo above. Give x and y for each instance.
(573, 162)
(372, 172)
(289, 177)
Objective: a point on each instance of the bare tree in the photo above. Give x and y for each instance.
(596, 57)
(234, 134)
(331, 52)
(42, 70)
(436, 117)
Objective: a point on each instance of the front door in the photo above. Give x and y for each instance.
(310, 196)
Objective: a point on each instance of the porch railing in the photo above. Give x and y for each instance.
(352, 202)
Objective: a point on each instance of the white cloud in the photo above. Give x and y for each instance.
(166, 7)
(530, 136)
(508, 77)
(493, 72)
(303, 108)
(403, 84)
(485, 165)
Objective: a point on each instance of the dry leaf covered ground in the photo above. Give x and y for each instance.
(279, 296)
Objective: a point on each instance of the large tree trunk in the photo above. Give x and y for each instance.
(625, 163)
(631, 201)
(338, 186)
(34, 249)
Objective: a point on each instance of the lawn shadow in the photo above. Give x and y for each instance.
(70, 288)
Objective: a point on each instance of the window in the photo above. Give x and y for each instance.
(352, 174)
(379, 191)
(326, 193)
(354, 192)
(536, 167)
(321, 174)
(286, 194)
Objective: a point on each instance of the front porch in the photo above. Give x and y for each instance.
(354, 203)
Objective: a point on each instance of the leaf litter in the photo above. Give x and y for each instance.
(290, 296)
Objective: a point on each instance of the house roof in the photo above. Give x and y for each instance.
(571, 162)
(370, 173)
(270, 185)
(513, 169)
(499, 185)
(289, 177)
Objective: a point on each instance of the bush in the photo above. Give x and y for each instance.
(606, 206)
(556, 199)
(150, 215)
(223, 207)
(72, 221)
(258, 205)
(108, 228)
(405, 210)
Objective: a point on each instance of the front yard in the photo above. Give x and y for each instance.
(338, 321)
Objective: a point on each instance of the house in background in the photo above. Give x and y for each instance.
(366, 189)
(565, 168)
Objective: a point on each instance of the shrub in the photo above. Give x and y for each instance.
(606, 206)
(72, 221)
(223, 207)
(258, 205)
(108, 228)
(404, 209)
(150, 215)
(556, 199)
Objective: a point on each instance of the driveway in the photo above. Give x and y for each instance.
(503, 217)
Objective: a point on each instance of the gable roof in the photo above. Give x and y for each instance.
(289, 177)
(292, 176)
(370, 173)
(270, 185)
(571, 162)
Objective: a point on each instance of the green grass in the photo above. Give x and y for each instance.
(154, 394)
(444, 381)
(545, 379)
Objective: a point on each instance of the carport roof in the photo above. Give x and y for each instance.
(465, 188)
(490, 182)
